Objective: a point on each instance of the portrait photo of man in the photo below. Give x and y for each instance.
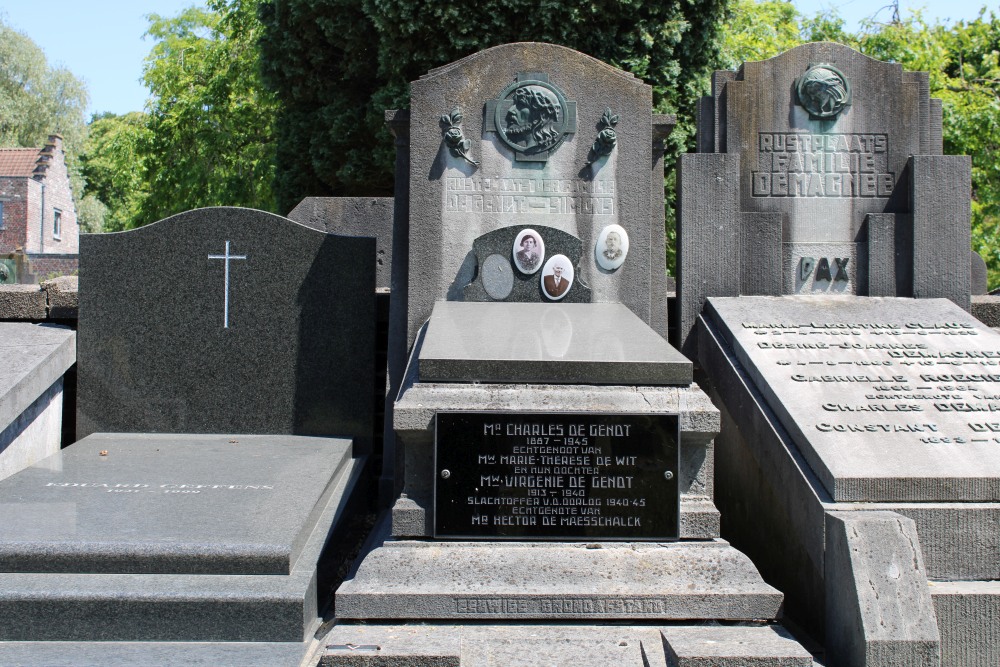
(557, 277)
(611, 247)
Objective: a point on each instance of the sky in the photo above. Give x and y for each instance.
(853, 11)
(101, 42)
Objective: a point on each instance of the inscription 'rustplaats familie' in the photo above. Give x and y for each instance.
(824, 165)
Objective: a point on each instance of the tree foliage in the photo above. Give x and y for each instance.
(963, 62)
(338, 64)
(37, 100)
(114, 167)
(209, 121)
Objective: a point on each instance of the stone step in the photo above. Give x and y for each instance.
(158, 654)
(553, 646)
(408, 579)
(959, 541)
(968, 617)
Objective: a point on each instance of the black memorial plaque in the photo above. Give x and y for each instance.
(556, 476)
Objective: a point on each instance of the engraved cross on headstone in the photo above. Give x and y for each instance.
(225, 308)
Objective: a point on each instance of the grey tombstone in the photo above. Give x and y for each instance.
(820, 172)
(457, 197)
(353, 216)
(226, 320)
(226, 365)
(539, 137)
(825, 276)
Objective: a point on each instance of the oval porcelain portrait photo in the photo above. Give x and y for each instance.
(528, 251)
(557, 277)
(611, 248)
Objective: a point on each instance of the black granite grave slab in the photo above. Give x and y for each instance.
(552, 343)
(564, 476)
(227, 320)
(168, 537)
(171, 504)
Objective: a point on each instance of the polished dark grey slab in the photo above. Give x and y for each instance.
(889, 400)
(185, 607)
(278, 338)
(499, 279)
(169, 504)
(558, 343)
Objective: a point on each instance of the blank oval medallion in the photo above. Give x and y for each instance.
(498, 276)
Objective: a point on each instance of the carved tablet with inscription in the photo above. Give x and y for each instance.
(887, 399)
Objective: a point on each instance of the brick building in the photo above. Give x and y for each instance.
(37, 213)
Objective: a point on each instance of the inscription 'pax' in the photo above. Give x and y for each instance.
(834, 269)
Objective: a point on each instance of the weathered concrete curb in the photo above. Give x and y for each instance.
(56, 299)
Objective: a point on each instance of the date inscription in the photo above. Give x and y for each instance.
(556, 476)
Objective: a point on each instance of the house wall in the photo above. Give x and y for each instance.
(21, 200)
(59, 197)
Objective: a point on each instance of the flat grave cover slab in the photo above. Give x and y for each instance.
(887, 399)
(560, 343)
(32, 357)
(169, 504)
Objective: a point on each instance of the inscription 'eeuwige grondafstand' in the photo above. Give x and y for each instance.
(560, 476)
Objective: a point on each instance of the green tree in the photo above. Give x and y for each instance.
(962, 61)
(37, 100)
(209, 126)
(338, 64)
(114, 167)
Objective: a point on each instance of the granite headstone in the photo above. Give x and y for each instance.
(227, 320)
(820, 172)
(353, 216)
(530, 136)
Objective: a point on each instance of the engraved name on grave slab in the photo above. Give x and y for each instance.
(886, 401)
(529, 195)
(563, 476)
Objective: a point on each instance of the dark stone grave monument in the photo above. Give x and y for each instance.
(225, 384)
(857, 463)
(820, 172)
(554, 459)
